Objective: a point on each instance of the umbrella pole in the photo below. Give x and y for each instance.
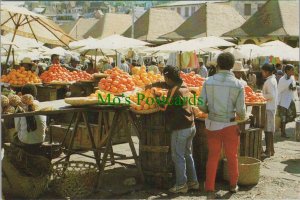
(14, 35)
(13, 55)
(95, 59)
(116, 58)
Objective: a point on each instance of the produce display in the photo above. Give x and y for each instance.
(20, 77)
(117, 82)
(16, 104)
(139, 103)
(253, 97)
(57, 73)
(141, 77)
(191, 79)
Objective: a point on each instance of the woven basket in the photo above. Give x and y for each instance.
(75, 179)
(145, 112)
(249, 171)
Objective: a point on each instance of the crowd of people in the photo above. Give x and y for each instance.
(223, 99)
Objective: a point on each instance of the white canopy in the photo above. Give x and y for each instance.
(194, 44)
(23, 42)
(278, 49)
(115, 42)
(82, 43)
(246, 51)
(59, 51)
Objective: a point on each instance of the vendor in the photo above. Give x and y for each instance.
(180, 121)
(202, 71)
(27, 63)
(286, 98)
(90, 68)
(31, 129)
(124, 66)
(106, 64)
(75, 63)
(223, 99)
(153, 67)
(239, 71)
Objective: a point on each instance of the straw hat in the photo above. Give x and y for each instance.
(238, 67)
(26, 60)
(200, 60)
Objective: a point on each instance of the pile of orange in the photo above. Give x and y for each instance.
(140, 103)
(20, 77)
(117, 82)
(252, 97)
(141, 77)
(191, 79)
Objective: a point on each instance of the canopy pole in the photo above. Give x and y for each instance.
(95, 59)
(14, 35)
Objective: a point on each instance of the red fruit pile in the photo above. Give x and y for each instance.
(59, 73)
(252, 97)
(191, 79)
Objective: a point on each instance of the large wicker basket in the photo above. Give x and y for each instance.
(249, 171)
(75, 179)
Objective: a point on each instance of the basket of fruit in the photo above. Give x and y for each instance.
(143, 102)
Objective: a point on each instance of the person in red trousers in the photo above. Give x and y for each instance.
(222, 97)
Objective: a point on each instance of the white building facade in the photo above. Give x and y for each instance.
(247, 7)
(185, 8)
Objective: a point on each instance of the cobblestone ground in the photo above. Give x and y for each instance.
(280, 177)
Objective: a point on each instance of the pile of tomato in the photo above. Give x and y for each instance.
(191, 79)
(59, 73)
(253, 97)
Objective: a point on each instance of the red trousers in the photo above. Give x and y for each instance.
(230, 139)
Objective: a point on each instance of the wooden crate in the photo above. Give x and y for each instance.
(155, 151)
(81, 140)
(250, 143)
(46, 93)
(122, 128)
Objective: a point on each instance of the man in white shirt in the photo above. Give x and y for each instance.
(270, 92)
(286, 96)
(239, 71)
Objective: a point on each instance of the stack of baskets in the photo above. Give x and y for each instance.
(74, 179)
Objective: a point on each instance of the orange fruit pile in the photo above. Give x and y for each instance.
(143, 100)
(59, 73)
(141, 77)
(191, 79)
(252, 97)
(20, 77)
(118, 81)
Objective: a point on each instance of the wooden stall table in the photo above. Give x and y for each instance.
(259, 113)
(59, 107)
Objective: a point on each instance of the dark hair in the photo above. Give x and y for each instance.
(268, 67)
(172, 73)
(212, 70)
(288, 67)
(29, 89)
(278, 65)
(225, 61)
(248, 62)
(53, 56)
